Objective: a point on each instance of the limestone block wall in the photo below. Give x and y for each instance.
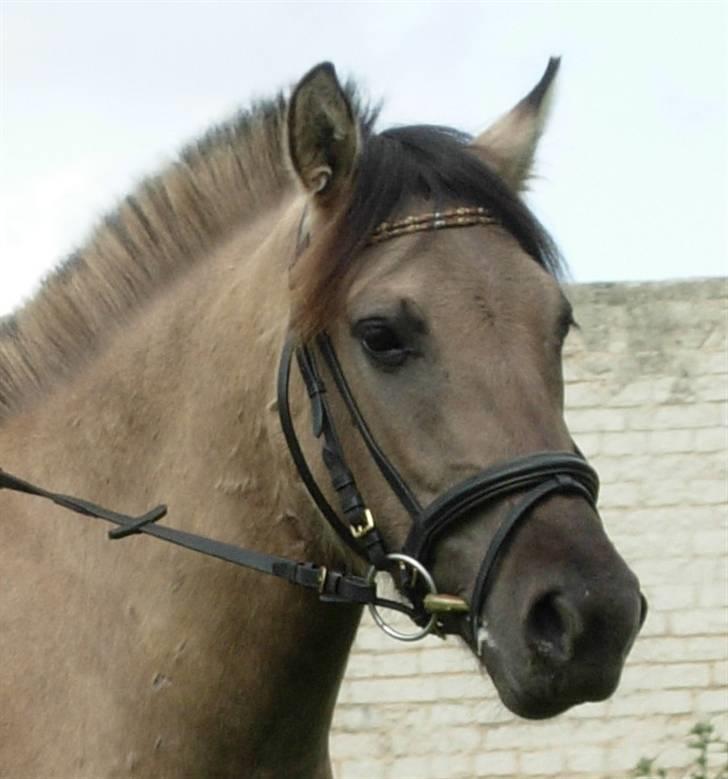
(647, 400)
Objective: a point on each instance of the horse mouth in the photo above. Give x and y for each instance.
(542, 695)
(549, 697)
(535, 690)
(534, 707)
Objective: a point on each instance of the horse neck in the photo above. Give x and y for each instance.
(180, 409)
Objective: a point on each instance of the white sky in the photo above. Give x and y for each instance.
(634, 168)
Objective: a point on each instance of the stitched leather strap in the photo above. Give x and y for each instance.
(354, 527)
(315, 392)
(500, 481)
(390, 473)
(486, 574)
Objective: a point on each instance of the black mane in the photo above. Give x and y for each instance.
(435, 163)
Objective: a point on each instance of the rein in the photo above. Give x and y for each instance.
(539, 475)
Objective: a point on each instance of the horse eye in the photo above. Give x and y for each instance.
(381, 339)
(381, 343)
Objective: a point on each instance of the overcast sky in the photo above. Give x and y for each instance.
(633, 169)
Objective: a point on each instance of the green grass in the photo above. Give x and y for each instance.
(709, 760)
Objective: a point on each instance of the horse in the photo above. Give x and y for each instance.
(413, 427)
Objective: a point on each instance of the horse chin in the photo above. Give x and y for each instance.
(534, 708)
(542, 701)
(536, 693)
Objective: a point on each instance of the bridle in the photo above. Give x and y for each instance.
(538, 475)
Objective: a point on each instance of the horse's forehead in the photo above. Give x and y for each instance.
(455, 266)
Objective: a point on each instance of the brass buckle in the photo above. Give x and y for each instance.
(361, 530)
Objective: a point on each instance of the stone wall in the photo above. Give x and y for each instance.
(647, 395)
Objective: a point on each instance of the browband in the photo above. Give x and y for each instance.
(463, 216)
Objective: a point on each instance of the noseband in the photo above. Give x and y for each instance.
(533, 478)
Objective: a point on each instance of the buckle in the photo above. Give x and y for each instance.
(361, 530)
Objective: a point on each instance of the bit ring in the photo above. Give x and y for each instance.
(417, 567)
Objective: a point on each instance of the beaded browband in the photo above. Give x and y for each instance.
(434, 220)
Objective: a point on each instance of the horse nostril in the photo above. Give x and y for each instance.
(552, 627)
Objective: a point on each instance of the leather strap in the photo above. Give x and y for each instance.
(127, 523)
(486, 574)
(355, 527)
(390, 473)
(315, 392)
(332, 586)
(497, 482)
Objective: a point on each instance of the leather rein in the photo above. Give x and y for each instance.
(536, 475)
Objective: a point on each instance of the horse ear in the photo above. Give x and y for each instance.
(323, 136)
(509, 144)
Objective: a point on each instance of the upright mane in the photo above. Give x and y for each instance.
(168, 223)
(220, 182)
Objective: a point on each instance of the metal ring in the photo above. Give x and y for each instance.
(429, 581)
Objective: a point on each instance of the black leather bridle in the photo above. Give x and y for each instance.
(537, 475)
(534, 478)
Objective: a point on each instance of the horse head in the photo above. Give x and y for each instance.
(429, 295)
